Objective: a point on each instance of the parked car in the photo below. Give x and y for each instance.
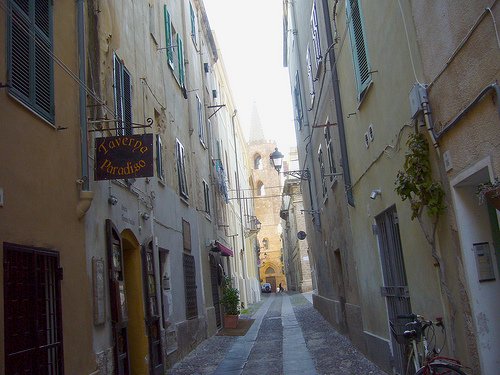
(266, 288)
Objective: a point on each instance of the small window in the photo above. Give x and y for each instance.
(265, 243)
(261, 191)
(192, 15)
(257, 162)
(322, 171)
(201, 126)
(206, 195)
(29, 49)
(315, 36)
(159, 158)
(329, 151)
(181, 170)
(123, 97)
(358, 46)
(297, 97)
(310, 77)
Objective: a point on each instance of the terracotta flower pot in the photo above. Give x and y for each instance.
(493, 198)
(230, 321)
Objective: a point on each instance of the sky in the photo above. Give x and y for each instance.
(250, 37)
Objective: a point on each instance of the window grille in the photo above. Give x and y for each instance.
(190, 286)
(32, 309)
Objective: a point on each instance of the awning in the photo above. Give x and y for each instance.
(224, 251)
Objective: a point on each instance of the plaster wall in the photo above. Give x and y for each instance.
(38, 174)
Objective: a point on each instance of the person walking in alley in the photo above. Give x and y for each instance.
(280, 288)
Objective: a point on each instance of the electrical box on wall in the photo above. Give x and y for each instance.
(418, 96)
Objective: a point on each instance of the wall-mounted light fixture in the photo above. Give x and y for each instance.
(375, 193)
(112, 200)
(277, 161)
(145, 216)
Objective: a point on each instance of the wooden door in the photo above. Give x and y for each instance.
(118, 300)
(152, 311)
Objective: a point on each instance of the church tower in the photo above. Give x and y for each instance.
(267, 189)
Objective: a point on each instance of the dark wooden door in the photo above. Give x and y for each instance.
(271, 280)
(152, 311)
(216, 280)
(32, 311)
(395, 287)
(118, 300)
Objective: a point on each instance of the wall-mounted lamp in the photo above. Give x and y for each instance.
(375, 193)
(277, 161)
(112, 200)
(145, 216)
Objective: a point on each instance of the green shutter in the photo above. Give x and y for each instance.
(31, 73)
(168, 37)
(180, 57)
(358, 45)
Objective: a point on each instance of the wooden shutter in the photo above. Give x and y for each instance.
(180, 57)
(159, 157)
(29, 55)
(358, 45)
(117, 71)
(315, 36)
(168, 37)
(152, 311)
(127, 103)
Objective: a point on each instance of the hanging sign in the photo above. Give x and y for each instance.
(129, 156)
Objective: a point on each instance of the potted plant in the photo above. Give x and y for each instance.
(231, 302)
(489, 192)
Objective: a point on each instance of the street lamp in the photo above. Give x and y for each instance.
(277, 161)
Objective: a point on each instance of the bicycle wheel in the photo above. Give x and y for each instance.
(440, 369)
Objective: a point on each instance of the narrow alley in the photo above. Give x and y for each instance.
(288, 336)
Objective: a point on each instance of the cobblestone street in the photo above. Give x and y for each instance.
(287, 337)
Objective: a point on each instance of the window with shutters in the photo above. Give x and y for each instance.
(201, 124)
(318, 58)
(181, 169)
(123, 97)
(359, 47)
(329, 151)
(29, 50)
(174, 49)
(297, 98)
(192, 16)
(310, 78)
(160, 173)
(206, 195)
(322, 171)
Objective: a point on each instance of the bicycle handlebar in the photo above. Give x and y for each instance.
(407, 316)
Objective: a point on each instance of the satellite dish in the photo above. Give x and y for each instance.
(301, 235)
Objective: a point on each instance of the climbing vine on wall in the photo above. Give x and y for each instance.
(415, 182)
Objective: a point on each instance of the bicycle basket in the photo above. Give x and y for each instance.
(397, 330)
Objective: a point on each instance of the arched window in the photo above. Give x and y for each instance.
(265, 243)
(257, 162)
(270, 270)
(260, 189)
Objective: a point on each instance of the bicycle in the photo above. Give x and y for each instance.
(425, 360)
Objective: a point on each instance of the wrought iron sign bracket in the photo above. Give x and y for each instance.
(300, 174)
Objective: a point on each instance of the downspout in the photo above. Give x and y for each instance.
(338, 107)
(86, 195)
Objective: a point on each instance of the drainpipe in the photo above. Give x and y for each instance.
(338, 107)
(86, 195)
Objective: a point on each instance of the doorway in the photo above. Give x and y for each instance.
(395, 288)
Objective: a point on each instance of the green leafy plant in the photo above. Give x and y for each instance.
(230, 298)
(415, 182)
(489, 188)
